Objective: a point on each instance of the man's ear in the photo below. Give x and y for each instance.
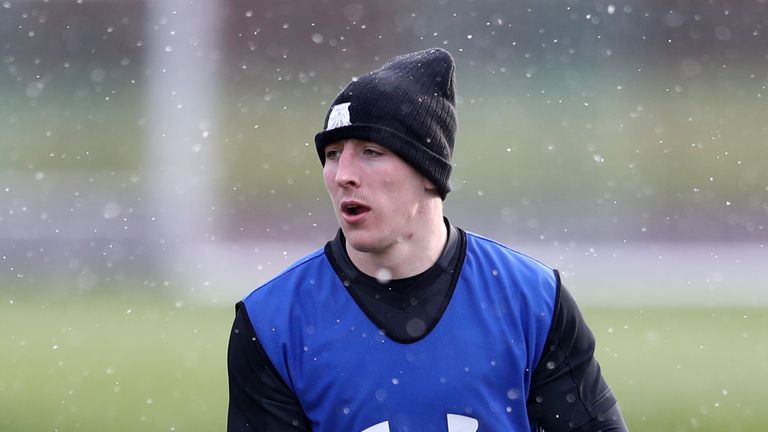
(428, 185)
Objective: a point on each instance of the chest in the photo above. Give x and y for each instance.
(474, 364)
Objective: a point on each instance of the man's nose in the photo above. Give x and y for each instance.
(347, 170)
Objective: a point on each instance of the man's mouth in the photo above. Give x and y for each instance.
(353, 209)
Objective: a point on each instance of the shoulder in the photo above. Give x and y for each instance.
(304, 288)
(291, 278)
(495, 265)
(521, 288)
(500, 254)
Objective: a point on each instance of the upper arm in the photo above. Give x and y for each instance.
(259, 400)
(568, 391)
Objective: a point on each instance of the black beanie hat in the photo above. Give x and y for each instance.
(407, 106)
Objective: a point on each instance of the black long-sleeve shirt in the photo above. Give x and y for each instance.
(567, 393)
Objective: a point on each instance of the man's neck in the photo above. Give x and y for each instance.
(407, 257)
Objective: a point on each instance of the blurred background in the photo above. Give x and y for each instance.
(157, 163)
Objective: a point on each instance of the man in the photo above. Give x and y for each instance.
(404, 322)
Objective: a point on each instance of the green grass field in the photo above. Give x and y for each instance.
(130, 362)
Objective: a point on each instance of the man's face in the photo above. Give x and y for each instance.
(379, 200)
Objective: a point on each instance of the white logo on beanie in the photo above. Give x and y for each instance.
(339, 116)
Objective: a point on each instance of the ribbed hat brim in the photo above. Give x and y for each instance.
(434, 167)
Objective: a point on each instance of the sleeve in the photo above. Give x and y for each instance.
(259, 400)
(568, 392)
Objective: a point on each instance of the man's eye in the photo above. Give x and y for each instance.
(372, 152)
(331, 154)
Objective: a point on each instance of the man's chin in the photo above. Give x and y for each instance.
(360, 242)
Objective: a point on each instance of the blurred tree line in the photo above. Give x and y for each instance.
(596, 119)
